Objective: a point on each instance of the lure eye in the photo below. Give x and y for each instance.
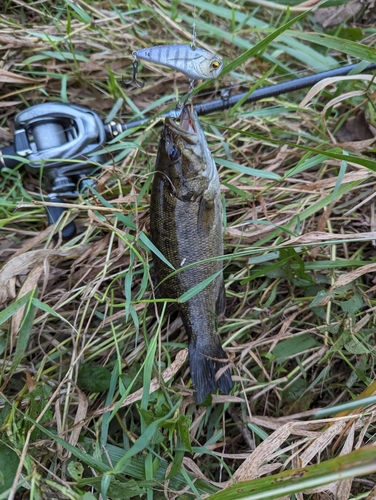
(215, 65)
(173, 153)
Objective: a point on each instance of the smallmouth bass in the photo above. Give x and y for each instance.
(186, 227)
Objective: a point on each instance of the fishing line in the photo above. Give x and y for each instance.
(194, 36)
(194, 33)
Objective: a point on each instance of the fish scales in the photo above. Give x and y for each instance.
(186, 226)
(194, 62)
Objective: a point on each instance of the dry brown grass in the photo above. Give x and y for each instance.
(300, 263)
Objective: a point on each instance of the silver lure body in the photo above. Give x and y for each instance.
(193, 62)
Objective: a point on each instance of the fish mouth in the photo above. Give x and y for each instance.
(187, 121)
(188, 126)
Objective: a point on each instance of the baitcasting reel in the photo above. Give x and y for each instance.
(62, 142)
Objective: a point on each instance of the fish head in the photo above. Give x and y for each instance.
(185, 160)
(185, 144)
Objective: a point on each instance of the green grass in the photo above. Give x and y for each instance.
(95, 393)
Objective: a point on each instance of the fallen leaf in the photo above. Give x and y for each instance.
(11, 42)
(5, 134)
(346, 279)
(79, 419)
(321, 442)
(16, 266)
(344, 487)
(155, 384)
(29, 382)
(334, 16)
(249, 468)
(349, 277)
(355, 128)
(319, 237)
(330, 81)
(10, 77)
(357, 146)
(29, 284)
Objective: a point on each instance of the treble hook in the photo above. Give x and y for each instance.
(138, 83)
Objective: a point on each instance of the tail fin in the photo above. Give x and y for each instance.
(203, 365)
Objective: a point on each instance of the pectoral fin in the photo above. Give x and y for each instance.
(220, 305)
(205, 216)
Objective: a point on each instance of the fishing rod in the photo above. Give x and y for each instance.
(66, 142)
(257, 95)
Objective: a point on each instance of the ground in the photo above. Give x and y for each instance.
(96, 398)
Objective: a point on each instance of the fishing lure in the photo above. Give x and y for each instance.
(194, 62)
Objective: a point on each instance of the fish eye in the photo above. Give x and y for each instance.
(215, 64)
(173, 153)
